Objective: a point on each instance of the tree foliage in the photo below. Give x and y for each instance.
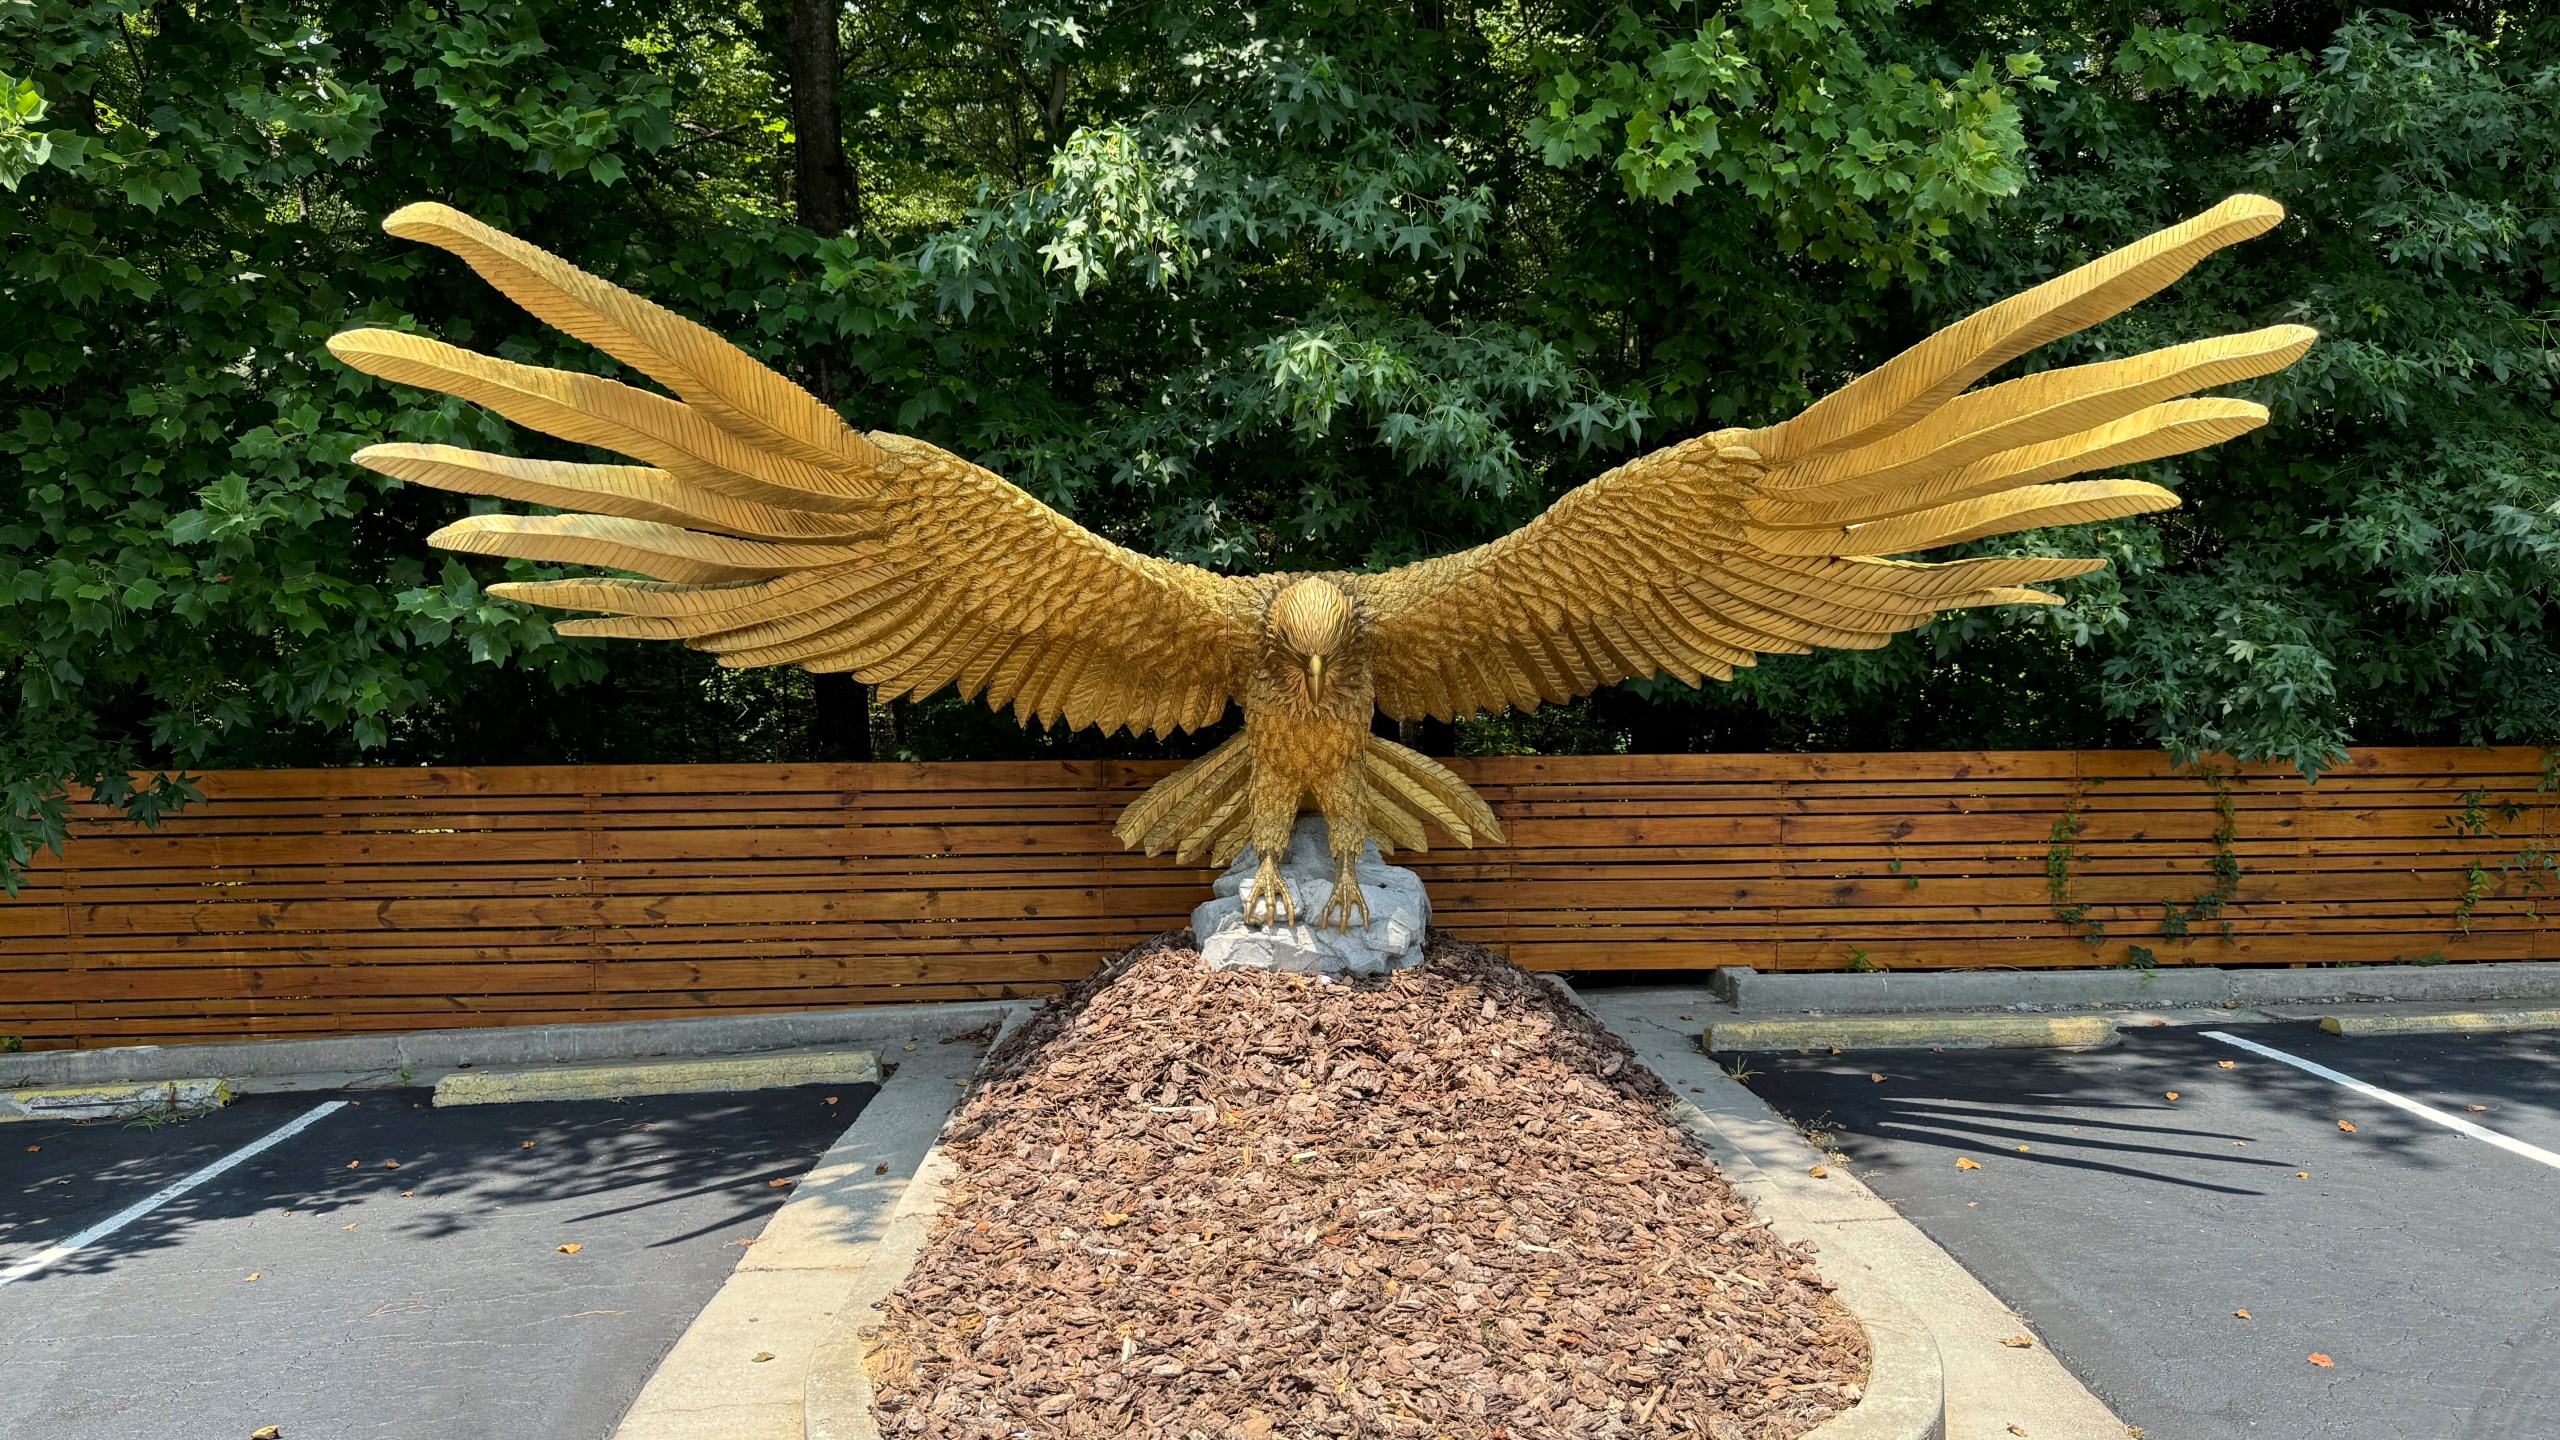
(1289, 285)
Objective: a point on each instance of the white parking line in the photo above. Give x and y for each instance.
(2376, 1092)
(144, 1206)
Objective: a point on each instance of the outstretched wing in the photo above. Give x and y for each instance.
(1701, 556)
(775, 534)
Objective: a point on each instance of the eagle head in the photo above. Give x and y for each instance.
(1311, 623)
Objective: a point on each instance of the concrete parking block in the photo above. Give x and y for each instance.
(114, 1101)
(2443, 1022)
(1911, 1032)
(660, 1077)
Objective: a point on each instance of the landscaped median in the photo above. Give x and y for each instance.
(1251, 1204)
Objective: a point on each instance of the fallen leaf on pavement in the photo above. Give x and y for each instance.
(266, 1432)
(762, 1356)
(1876, 1078)
(2018, 1342)
(390, 1164)
(2172, 1094)
(750, 1240)
(778, 1184)
(2347, 1125)
(2014, 1430)
(2243, 1314)
(33, 1149)
(879, 1169)
(352, 1164)
(350, 1225)
(1818, 1173)
(1964, 1164)
(405, 1194)
(2026, 1149)
(2301, 1174)
(2228, 1064)
(2474, 1109)
(571, 1248)
(254, 1274)
(528, 1144)
(831, 1099)
(2323, 1361)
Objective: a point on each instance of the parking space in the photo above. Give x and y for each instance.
(2133, 1201)
(391, 1270)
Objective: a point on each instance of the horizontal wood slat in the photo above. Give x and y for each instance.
(308, 902)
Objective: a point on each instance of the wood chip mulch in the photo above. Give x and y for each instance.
(1236, 1205)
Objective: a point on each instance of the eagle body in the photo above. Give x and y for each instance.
(759, 526)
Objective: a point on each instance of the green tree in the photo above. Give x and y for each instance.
(1277, 286)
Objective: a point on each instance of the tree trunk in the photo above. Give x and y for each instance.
(1435, 738)
(823, 197)
(822, 180)
(843, 722)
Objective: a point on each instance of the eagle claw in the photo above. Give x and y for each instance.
(1346, 898)
(1270, 903)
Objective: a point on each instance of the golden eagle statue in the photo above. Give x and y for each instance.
(774, 533)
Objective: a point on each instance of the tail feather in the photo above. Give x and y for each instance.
(1200, 810)
(1427, 789)
(1179, 810)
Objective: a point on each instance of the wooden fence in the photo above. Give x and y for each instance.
(334, 901)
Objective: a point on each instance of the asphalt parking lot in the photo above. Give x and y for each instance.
(391, 1270)
(2131, 1228)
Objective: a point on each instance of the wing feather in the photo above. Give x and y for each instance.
(631, 492)
(1929, 374)
(774, 533)
(1700, 556)
(713, 377)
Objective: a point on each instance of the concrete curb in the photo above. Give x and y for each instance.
(424, 1056)
(660, 1077)
(1749, 992)
(1886, 1269)
(1919, 1032)
(806, 1272)
(2443, 1022)
(835, 1401)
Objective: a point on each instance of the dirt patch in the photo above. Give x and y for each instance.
(1236, 1204)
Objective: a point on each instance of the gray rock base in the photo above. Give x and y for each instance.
(1399, 913)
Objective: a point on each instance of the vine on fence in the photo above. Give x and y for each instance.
(2177, 920)
(2535, 865)
(2057, 875)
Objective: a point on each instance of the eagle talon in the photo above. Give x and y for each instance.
(1271, 900)
(1346, 898)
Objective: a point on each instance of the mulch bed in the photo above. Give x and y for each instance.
(1238, 1204)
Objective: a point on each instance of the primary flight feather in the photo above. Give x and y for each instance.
(774, 533)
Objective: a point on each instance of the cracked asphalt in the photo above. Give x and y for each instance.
(2129, 1227)
(321, 1289)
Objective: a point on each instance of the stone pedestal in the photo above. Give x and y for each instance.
(1399, 913)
